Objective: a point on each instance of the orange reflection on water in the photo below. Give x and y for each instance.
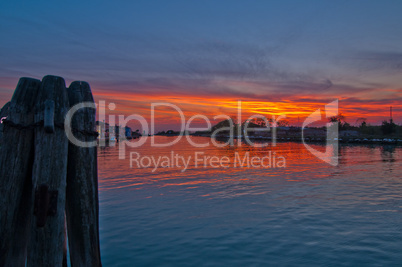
(232, 180)
(115, 173)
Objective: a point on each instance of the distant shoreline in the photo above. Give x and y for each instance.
(312, 140)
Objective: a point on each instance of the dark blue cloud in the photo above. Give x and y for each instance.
(287, 47)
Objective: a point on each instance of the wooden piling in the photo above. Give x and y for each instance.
(16, 160)
(82, 208)
(3, 113)
(49, 170)
(47, 185)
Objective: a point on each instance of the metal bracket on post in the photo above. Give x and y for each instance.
(45, 204)
(49, 116)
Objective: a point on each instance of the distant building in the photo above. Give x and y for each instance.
(119, 132)
(103, 130)
(112, 133)
(128, 132)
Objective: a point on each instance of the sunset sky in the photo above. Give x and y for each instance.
(278, 57)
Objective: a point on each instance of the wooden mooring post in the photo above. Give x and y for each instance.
(46, 183)
(16, 161)
(82, 183)
(3, 114)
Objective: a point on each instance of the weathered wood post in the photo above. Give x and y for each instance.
(3, 113)
(82, 208)
(48, 186)
(16, 160)
(49, 175)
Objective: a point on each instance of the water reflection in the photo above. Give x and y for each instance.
(387, 153)
(115, 173)
(309, 213)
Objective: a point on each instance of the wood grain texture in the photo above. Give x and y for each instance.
(3, 113)
(16, 160)
(50, 168)
(82, 208)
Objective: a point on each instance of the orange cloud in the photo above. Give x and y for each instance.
(296, 108)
